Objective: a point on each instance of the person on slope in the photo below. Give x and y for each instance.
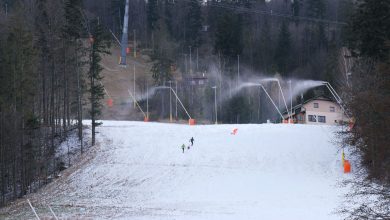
(183, 147)
(192, 141)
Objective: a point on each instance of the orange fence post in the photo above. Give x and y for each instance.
(191, 121)
(110, 102)
(347, 166)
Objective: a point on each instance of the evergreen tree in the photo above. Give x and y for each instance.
(161, 69)
(332, 71)
(321, 37)
(228, 39)
(99, 46)
(266, 49)
(73, 17)
(72, 32)
(152, 14)
(315, 8)
(168, 7)
(193, 24)
(7, 5)
(21, 56)
(18, 92)
(369, 32)
(117, 10)
(369, 103)
(296, 8)
(236, 110)
(283, 50)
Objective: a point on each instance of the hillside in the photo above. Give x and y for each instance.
(138, 171)
(117, 80)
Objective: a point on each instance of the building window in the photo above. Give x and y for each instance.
(315, 105)
(312, 118)
(322, 119)
(332, 109)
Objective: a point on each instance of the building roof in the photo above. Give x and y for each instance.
(319, 97)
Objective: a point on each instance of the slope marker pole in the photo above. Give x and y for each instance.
(36, 215)
(51, 210)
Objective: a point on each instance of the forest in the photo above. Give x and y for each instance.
(50, 53)
(48, 65)
(190, 39)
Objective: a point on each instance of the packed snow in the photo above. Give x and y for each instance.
(139, 171)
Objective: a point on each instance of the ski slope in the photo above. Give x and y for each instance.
(267, 171)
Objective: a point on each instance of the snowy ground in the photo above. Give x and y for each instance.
(138, 171)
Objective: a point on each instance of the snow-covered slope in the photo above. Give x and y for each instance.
(265, 171)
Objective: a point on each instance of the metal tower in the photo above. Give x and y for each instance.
(124, 41)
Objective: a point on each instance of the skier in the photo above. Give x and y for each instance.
(192, 141)
(183, 147)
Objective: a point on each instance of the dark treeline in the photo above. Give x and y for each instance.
(187, 38)
(44, 53)
(368, 101)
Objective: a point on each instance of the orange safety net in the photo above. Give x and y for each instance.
(234, 132)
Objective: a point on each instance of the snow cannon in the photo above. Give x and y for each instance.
(347, 166)
(191, 121)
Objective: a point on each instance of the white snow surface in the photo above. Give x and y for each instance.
(266, 171)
